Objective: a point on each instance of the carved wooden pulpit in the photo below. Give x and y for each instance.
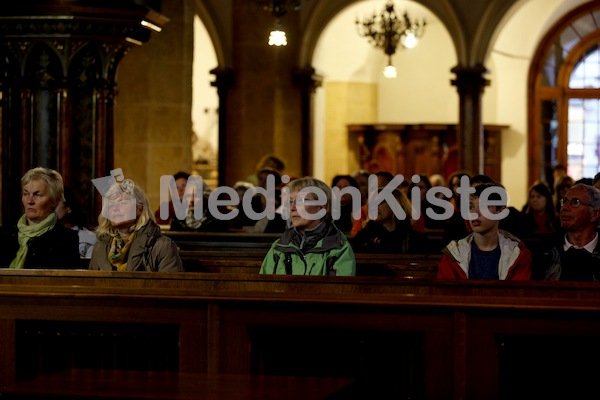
(58, 62)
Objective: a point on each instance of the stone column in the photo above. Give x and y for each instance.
(57, 82)
(308, 81)
(223, 80)
(470, 84)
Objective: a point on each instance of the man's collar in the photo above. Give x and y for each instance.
(589, 247)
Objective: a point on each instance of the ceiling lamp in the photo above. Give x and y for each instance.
(386, 31)
(279, 8)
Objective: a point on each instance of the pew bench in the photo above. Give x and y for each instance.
(413, 266)
(152, 385)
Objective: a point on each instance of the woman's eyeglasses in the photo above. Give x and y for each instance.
(298, 201)
(574, 202)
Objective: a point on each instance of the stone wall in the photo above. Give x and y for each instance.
(153, 125)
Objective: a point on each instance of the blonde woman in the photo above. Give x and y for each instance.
(128, 237)
(39, 240)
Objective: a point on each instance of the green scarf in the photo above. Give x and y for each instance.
(26, 232)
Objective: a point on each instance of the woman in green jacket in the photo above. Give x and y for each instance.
(313, 245)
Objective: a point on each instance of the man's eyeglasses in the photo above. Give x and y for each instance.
(574, 202)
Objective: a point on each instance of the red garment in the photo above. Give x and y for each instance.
(419, 224)
(167, 221)
(358, 224)
(541, 223)
(449, 268)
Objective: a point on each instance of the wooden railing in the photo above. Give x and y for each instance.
(396, 338)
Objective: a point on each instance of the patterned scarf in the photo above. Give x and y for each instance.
(117, 254)
(26, 233)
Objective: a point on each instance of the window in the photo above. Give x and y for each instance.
(564, 112)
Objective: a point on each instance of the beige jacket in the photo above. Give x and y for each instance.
(150, 251)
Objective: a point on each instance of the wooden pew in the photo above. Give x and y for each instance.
(254, 241)
(135, 385)
(222, 241)
(435, 339)
(244, 253)
(414, 266)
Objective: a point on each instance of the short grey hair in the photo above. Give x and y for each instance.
(593, 194)
(51, 178)
(307, 182)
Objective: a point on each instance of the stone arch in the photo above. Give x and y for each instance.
(323, 12)
(496, 15)
(217, 33)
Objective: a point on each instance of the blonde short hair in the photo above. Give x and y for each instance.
(141, 201)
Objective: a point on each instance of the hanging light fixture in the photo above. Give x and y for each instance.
(387, 31)
(277, 36)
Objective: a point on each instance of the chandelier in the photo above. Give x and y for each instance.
(387, 30)
(279, 8)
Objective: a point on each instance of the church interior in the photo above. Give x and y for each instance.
(505, 88)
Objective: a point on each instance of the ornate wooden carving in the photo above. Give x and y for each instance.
(58, 62)
(420, 149)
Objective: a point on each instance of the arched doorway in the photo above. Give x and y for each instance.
(205, 108)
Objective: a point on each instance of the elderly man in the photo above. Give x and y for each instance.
(577, 256)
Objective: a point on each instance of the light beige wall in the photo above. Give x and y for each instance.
(205, 107)
(421, 92)
(345, 103)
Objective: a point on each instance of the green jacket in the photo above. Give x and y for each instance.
(322, 251)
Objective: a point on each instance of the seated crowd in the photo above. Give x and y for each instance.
(554, 236)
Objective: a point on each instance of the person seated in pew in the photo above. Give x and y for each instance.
(276, 225)
(539, 225)
(576, 257)
(128, 237)
(39, 240)
(388, 233)
(383, 178)
(562, 184)
(596, 180)
(181, 179)
(456, 227)
(345, 222)
(69, 213)
(207, 222)
(313, 245)
(487, 252)
(419, 189)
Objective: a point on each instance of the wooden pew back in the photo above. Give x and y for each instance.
(244, 253)
(436, 339)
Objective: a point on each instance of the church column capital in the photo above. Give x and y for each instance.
(224, 79)
(308, 79)
(470, 79)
